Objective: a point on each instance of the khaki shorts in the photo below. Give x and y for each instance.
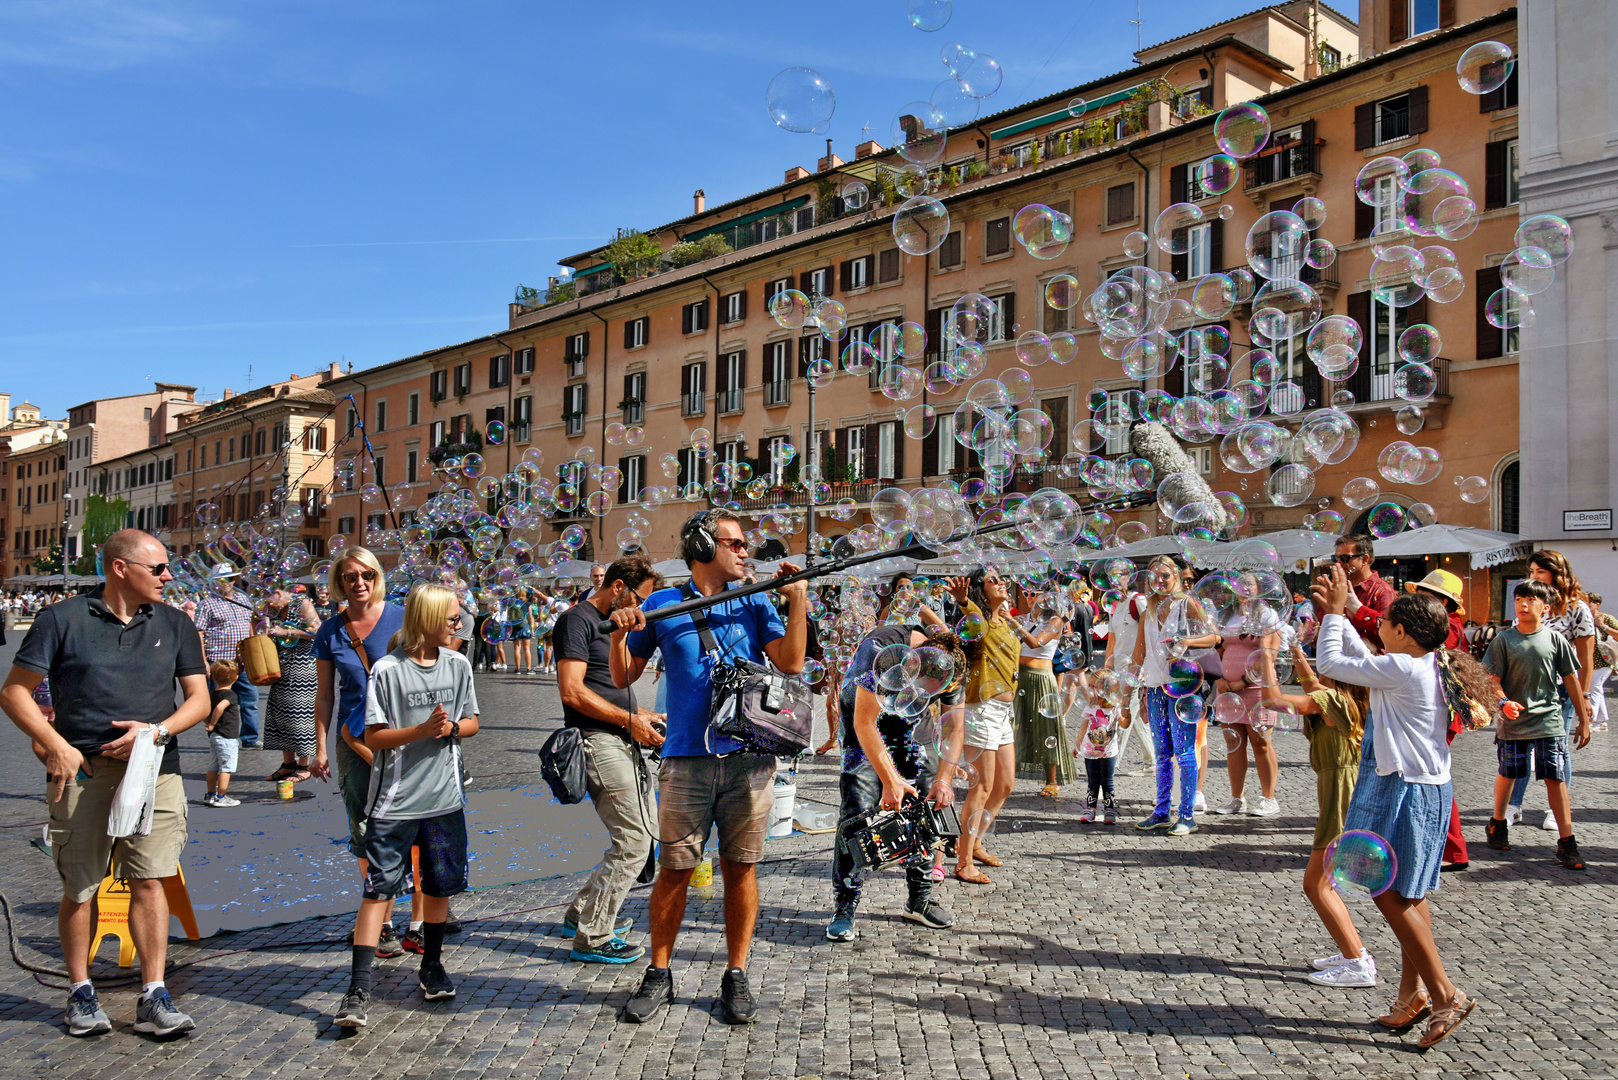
(79, 840)
(734, 792)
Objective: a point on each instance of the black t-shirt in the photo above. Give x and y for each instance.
(101, 670)
(230, 724)
(577, 637)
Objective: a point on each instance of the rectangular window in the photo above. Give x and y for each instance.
(887, 266)
(946, 443)
(694, 317)
(413, 408)
(805, 219)
(188, 459)
(578, 347)
(996, 236)
(819, 282)
(767, 229)
(522, 418)
(693, 467)
(1198, 258)
(634, 470)
(734, 307)
(859, 274)
(778, 373)
(635, 332)
(771, 288)
(574, 398)
(1424, 16)
(854, 439)
(381, 416)
(575, 367)
(1391, 117)
(634, 407)
(693, 389)
(412, 462)
(381, 471)
(731, 371)
(525, 361)
(345, 524)
(885, 435)
(1121, 204)
(1003, 323)
(435, 433)
(258, 442)
(438, 385)
(499, 371)
(949, 252)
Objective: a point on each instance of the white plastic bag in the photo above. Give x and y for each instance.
(136, 796)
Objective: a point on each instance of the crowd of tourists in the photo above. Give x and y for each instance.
(1396, 676)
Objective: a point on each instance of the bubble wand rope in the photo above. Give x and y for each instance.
(606, 626)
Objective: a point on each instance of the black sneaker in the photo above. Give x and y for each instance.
(434, 981)
(412, 942)
(1567, 853)
(931, 913)
(387, 945)
(656, 990)
(616, 951)
(84, 1014)
(452, 925)
(351, 1013)
(736, 1004)
(1498, 835)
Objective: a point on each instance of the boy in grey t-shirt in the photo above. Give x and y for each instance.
(421, 702)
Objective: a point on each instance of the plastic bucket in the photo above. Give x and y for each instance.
(786, 797)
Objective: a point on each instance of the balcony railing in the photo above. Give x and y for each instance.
(691, 404)
(730, 401)
(1374, 384)
(1284, 161)
(777, 393)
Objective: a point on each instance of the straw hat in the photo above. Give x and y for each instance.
(1441, 582)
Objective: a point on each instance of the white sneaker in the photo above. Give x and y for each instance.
(226, 800)
(1266, 808)
(1326, 963)
(1236, 805)
(1354, 973)
(1199, 805)
(1549, 824)
(208, 799)
(1513, 815)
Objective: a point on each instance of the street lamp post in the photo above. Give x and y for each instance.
(812, 454)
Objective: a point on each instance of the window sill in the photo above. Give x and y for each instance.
(957, 268)
(1382, 149)
(889, 284)
(1132, 223)
(998, 256)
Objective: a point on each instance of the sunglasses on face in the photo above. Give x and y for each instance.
(454, 621)
(157, 569)
(738, 546)
(354, 575)
(1344, 560)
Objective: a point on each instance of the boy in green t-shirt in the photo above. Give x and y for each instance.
(1527, 661)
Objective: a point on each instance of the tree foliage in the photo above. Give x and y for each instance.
(633, 254)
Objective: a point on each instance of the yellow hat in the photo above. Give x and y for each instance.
(1441, 582)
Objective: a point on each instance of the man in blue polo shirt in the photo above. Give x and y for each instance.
(706, 780)
(112, 656)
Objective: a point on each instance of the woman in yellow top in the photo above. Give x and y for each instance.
(992, 647)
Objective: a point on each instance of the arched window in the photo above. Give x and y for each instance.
(1510, 498)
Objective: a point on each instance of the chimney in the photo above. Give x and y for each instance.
(797, 172)
(830, 161)
(5, 409)
(332, 372)
(699, 201)
(866, 149)
(229, 393)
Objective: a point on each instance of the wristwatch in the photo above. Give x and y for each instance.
(455, 729)
(161, 735)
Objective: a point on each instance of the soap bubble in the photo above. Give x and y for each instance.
(1062, 292)
(1043, 232)
(1385, 519)
(1320, 253)
(1507, 309)
(920, 225)
(1172, 230)
(1311, 211)
(1077, 106)
(1276, 243)
(855, 195)
(1475, 489)
(1134, 244)
(1549, 232)
(801, 99)
(918, 131)
(1381, 181)
(1420, 344)
(1050, 706)
(1361, 864)
(1409, 419)
(1485, 67)
(978, 73)
(1291, 485)
(1183, 678)
(1527, 270)
(1242, 130)
(1190, 710)
(930, 15)
(496, 433)
(1415, 383)
(1361, 492)
(1219, 174)
(790, 309)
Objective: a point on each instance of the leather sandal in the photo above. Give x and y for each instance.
(1050, 791)
(1404, 1015)
(285, 772)
(978, 877)
(1446, 1019)
(984, 857)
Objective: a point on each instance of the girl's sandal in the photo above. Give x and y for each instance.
(1446, 1019)
(977, 877)
(1404, 1015)
(984, 857)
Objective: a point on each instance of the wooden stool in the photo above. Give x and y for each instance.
(112, 914)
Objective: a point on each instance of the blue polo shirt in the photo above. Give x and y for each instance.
(741, 628)
(331, 643)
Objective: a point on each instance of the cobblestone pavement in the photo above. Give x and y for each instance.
(1097, 952)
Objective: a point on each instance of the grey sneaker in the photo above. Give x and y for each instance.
(841, 927)
(1350, 975)
(155, 1014)
(351, 1013)
(84, 1015)
(736, 1002)
(1266, 808)
(931, 914)
(1184, 827)
(656, 990)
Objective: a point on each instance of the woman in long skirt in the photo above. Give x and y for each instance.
(289, 715)
(1043, 751)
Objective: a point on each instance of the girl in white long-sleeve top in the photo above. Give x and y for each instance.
(1403, 793)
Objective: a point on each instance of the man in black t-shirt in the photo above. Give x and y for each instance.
(112, 656)
(615, 773)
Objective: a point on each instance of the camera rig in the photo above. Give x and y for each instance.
(883, 838)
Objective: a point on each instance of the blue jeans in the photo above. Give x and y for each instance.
(1176, 741)
(861, 791)
(247, 698)
(1520, 788)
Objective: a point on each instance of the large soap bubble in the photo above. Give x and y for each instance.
(1361, 864)
(1485, 67)
(920, 225)
(801, 99)
(930, 15)
(1242, 130)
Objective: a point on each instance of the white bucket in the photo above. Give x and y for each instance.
(786, 797)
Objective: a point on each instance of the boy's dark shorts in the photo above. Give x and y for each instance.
(442, 841)
(1548, 757)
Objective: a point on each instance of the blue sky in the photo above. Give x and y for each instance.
(191, 191)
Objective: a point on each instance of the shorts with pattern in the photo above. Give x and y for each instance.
(696, 793)
(1547, 757)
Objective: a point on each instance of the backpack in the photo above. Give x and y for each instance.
(561, 763)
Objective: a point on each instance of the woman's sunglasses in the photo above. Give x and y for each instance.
(354, 575)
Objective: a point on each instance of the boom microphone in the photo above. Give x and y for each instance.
(1153, 442)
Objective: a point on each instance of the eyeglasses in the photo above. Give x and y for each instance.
(738, 546)
(455, 620)
(1344, 560)
(157, 569)
(354, 575)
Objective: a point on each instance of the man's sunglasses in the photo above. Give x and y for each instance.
(354, 575)
(737, 545)
(1344, 560)
(157, 569)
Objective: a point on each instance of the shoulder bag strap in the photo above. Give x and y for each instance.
(699, 619)
(354, 641)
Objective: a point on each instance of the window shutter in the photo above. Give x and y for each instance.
(623, 483)
(803, 357)
(826, 454)
(826, 274)
(1494, 175)
(929, 452)
(1364, 219)
(743, 302)
(934, 325)
(1216, 245)
(586, 351)
(1306, 136)
(1446, 13)
(741, 370)
(1008, 315)
(1364, 125)
(1415, 313)
(1177, 184)
(1359, 309)
(1487, 282)
(685, 380)
(629, 387)
(1398, 20)
(1418, 109)
(898, 449)
(629, 333)
(685, 318)
(704, 306)
(840, 454)
(873, 440)
(870, 269)
(803, 283)
(844, 273)
(1488, 103)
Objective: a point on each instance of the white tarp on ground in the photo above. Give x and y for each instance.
(1485, 546)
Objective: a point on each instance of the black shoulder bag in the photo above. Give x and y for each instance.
(764, 710)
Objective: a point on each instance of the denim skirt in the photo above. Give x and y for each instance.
(1412, 818)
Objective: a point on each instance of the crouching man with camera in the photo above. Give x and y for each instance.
(705, 779)
(896, 697)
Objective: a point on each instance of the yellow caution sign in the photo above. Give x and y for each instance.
(112, 914)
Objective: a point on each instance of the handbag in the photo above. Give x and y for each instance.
(263, 660)
(561, 763)
(764, 710)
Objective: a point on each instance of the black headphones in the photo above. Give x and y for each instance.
(696, 542)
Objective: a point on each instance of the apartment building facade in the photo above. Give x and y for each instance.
(38, 515)
(24, 427)
(105, 429)
(693, 348)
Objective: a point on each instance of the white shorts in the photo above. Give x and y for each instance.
(988, 725)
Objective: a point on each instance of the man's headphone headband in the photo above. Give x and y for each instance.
(699, 544)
